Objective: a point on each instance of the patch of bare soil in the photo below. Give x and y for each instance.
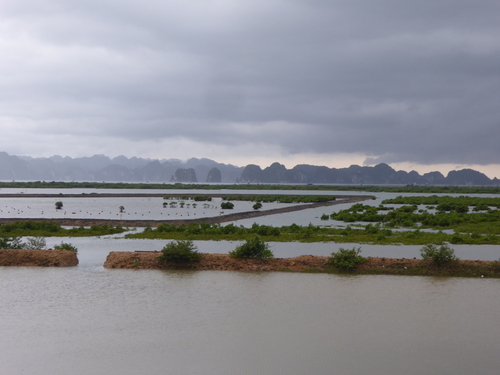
(220, 262)
(38, 258)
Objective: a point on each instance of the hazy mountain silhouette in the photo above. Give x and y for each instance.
(381, 174)
(121, 168)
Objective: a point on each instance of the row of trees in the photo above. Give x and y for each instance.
(53, 229)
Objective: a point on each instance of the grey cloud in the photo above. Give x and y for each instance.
(396, 81)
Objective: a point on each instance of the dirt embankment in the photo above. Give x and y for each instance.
(38, 258)
(222, 262)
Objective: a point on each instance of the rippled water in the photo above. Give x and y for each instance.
(88, 320)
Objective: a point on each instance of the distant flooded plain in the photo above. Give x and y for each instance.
(91, 320)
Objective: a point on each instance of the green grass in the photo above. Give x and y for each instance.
(53, 229)
(453, 214)
(311, 233)
(453, 269)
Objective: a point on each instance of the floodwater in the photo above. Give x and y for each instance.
(90, 320)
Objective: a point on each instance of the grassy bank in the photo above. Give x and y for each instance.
(53, 229)
(370, 234)
(417, 267)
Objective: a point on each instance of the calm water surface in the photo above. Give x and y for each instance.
(88, 320)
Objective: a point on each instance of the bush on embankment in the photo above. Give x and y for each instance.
(254, 248)
(179, 252)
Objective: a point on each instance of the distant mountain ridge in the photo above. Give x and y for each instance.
(120, 168)
(381, 174)
(123, 169)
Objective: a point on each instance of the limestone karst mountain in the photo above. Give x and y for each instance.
(123, 169)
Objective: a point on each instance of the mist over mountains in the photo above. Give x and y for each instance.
(123, 169)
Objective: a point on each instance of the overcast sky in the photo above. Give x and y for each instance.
(415, 84)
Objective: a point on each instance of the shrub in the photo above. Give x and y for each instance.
(11, 243)
(346, 259)
(180, 252)
(35, 243)
(456, 239)
(253, 248)
(440, 256)
(65, 246)
(227, 205)
(59, 205)
(257, 206)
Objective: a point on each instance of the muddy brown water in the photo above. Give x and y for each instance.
(90, 320)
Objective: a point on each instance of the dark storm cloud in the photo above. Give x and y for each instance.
(395, 81)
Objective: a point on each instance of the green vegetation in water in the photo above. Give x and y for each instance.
(451, 213)
(254, 248)
(257, 206)
(163, 186)
(53, 229)
(227, 205)
(446, 202)
(179, 252)
(369, 234)
(281, 198)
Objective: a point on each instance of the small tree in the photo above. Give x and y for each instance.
(35, 243)
(226, 205)
(59, 205)
(253, 248)
(440, 256)
(257, 206)
(346, 259)
(122, 208)
(11, 243)
(180, 252)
